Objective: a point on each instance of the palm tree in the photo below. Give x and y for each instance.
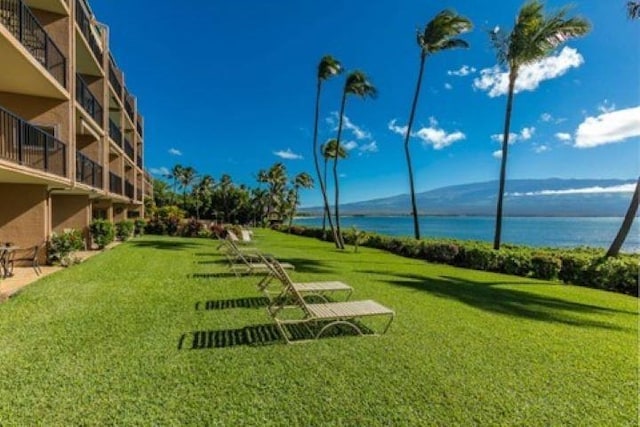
(616, 245)
(302, 180)
(276, 179)
(356, 84)
(438, 35)
(185, 180)
(328, 150)
(202, 192)
(533, 37)
(633, 9)
(327, 68)
(175, 175)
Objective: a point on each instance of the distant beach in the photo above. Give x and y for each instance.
(561, 232)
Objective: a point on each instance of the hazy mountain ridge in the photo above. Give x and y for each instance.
(522, 198)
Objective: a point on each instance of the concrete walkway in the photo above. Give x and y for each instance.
(23, 276)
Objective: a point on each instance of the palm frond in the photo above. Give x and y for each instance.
(328, 67)
(444, 27)
(358, 84)
(633, 9)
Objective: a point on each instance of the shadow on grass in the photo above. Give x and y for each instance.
(305, 265)
(220, 274)
(223, 304)
(259, 335)
(512, 302)
(165, 245)
(213, 261)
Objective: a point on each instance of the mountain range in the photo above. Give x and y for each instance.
(523, 197)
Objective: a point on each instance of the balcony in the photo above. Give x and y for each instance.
(128, 189)
(139, 126)
(128, 105)
(115, 183)
(25, 144)
(88, 101)
(139, 194)
(19, 20)
(87, 171)
(128, 148)
(113, 79)
(84, 23)
(139, 161)
(115, 133)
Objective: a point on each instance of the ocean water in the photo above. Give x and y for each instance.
(532, 231)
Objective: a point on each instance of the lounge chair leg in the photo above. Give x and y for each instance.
(338, 322)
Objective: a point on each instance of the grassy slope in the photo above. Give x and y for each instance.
(98, 344)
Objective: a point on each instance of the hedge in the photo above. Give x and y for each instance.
(581, 266)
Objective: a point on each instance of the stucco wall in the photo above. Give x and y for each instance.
(23, 214)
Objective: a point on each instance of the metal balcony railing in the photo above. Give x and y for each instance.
(19, 20)
(139, 126)
(128, 189)
(88, 101)
(128, 148)
(25, 144)
(115, 133)
(84, 23)
(115, 183)
(139, 194)
(113, 79)
(128, 105)
(139, 161)
(87, 171)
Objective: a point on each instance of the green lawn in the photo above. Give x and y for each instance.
(112, 341)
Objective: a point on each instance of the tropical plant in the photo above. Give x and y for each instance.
(438, 35)
(359, 85)
(533, 37)
(616, 245)
(301, 180)
(327, 68)
(175, 175)
(185, 180)
(202, 192)
(62, 246)
(276, 179)
(329, 150)
(162, 194)
(102, 232)
(633, 9)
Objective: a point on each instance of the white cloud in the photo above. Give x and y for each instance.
(175, 152)
(563, 136)
(540, 148)
(371, 147)
(525, 134)
(606, 107)
(431, 135)
(356, 130)
(465, 70)
(608, 128)
(497, 154)
(546, 117)
(162, 170)
(447, 86)
(287, 154)
(496, 81)
(624, 188)
(402, 130)
(438, 137)
(349, 145)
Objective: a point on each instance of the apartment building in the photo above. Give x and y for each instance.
(71, 135)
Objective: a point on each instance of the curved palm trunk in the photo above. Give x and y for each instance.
(617, 243)
(414, 208)
(293, 210)
(323, 188)
(339, 241)
(503, 164)
(326, 211)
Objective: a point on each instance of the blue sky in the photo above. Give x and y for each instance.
(227, 86)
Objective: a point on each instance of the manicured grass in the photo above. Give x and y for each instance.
(111, 341)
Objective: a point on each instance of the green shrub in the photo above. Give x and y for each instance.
(61, 247)
(545, 266)
(580, 266)
(102, 232)
(165, 220)
(124, 230)
(193, 228)
(138, 226)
